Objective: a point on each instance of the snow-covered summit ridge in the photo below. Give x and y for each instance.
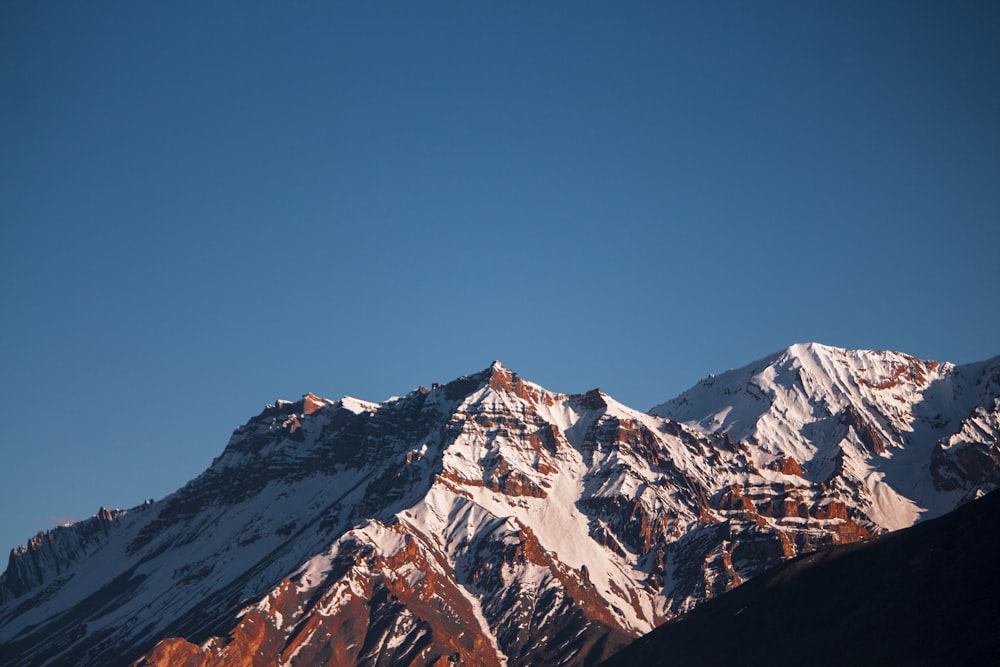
(797, 382)
(881, 419)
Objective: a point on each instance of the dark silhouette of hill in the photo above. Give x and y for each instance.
(926, 595)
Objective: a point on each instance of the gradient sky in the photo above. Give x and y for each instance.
(208, 206)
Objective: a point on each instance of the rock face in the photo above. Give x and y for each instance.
(920, 596)
(50, 553)
(490, 521)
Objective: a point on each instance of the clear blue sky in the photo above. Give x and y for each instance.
(208, 206)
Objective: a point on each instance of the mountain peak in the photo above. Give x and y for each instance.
(813, 349)
(311, 403)
(504, 380)
(840, 412)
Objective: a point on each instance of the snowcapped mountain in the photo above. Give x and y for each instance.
(905, 438)
(491, 520)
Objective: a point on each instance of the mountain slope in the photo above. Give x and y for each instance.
(909, 438)
(486, 519)
(926, 595)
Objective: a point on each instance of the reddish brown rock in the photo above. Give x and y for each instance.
(787, 465)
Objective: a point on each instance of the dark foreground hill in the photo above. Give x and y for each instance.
(927, 595)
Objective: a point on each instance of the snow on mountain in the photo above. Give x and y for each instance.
(890, 429)
(491, 520)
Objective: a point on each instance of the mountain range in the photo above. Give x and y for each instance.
(491, 520)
